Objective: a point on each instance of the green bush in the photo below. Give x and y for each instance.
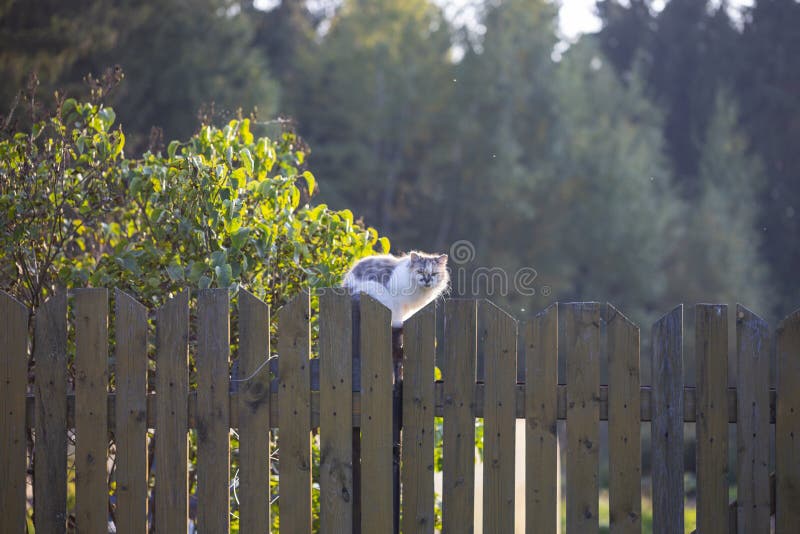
(223, 209)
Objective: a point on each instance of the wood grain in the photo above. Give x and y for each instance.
(752, 427)
(213, 425)
(253, 414)
(91, 410)
(582, 339)
(14, 379)
(419, 350)
(294, 403)
(376, 417)
(458, 462)
(667, 424)
(130, 435)
(500, 352)
(540, 339)
(336, 412)
(624, 443)
(172, 385)
(787, 426)
(711, 366)
(50, 388)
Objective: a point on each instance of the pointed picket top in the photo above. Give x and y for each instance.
(548, 310)
(751, 320)
(613, 314)
(490, 307)
(669, 319)
(422, 316)
(790, 320)
(373, 305)
(121, 298)
(8, 301)
(175, 302)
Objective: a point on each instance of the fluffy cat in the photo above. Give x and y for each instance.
(404, 284)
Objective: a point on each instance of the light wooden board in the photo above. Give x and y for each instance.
(172, 386)
(667, 425)
(500, 350)
(294, 404)
(752, 426)
(458, 454)
(711, 366)
(419, 350)
(624, 442)
(91, 410)
(336, 412)
(50, 387)
(787, 427)
(376, 417)
(254, 411)
(130, 435)
(582, 339)
(213, 425)
(540, 339)
(13, 380)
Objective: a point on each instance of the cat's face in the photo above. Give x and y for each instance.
(428, 270)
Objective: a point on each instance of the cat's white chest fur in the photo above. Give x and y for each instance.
(403, 284)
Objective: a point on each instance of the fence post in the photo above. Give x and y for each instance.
(397, 422)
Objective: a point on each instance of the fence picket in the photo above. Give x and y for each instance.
(376, 417)
(624, 443)
(14, 378)
(667, 423)
(458, 454)
(418, 431)
(50, 463)
(582, 338)
(213, 425)
(294, 405)
(752, 422)
(787, 426)
(91, 409)
(130, 434)
(711, 365)
(336, 412)
(172, 386)
(499, 419)
(254, 411)
(540, 339)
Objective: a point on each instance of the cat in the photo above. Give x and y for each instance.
(404, 284)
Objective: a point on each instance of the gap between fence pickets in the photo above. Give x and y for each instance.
(689, 404)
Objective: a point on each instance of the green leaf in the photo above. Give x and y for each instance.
(108, 117)
(384, 243)
(247, 159)
(224, 275)
(204, 282)
(172, 148)
(239, 237)
(219, 257)
(196, 271)
(175, 272)
(311, 182)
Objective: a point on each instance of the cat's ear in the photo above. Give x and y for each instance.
(442, 259)
(414, 257)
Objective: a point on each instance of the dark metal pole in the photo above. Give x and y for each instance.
(397, 421)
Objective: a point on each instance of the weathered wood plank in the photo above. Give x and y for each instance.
(130, 436)
(172, 385)
(254, 413)
(582, 338)
(50, 387)
(540, 339)
(624, 444)
(667, 424)
(336, 412)
(213, 425)
(418, 431)
(376, 417)
(294, 404)
(458, 461)
(91, 410)
(787, 426)
(711, 366)
(500, 352)
(752, 427)
(14, 379)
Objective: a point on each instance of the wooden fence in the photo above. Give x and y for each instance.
(515, 378)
